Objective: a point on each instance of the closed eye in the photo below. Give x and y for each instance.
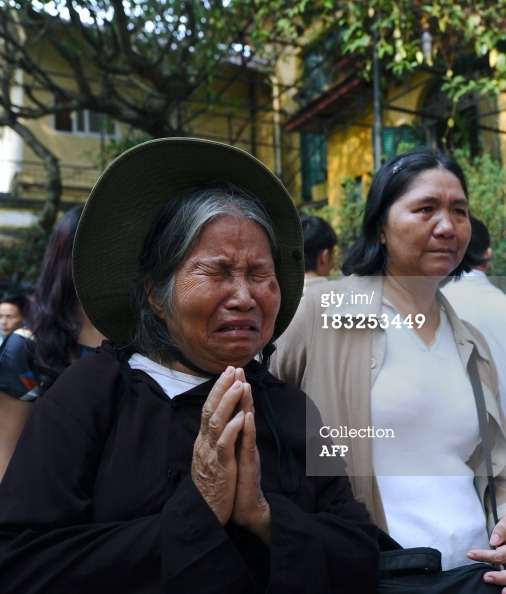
(262, 274)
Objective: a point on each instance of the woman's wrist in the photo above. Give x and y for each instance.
(261, 526)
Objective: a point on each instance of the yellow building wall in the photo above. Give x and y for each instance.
(350, 150)
(70, 149)
(349, 155)
(244, 116)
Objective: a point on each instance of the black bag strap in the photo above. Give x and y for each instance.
(386, 542)
(479, 398)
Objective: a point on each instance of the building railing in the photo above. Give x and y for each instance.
(29, 179)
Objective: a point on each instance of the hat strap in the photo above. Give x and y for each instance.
(178, 355)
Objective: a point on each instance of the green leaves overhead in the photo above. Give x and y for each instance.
(465, 42)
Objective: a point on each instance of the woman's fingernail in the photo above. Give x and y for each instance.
(229, 370)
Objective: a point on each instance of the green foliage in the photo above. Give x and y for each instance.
(498, 266)
(486, 179)
(349, 215)
(25, 255)
(477, 29)
(129, 138)
(346, 218)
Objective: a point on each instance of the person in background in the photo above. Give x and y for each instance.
(320, 246)
(13, 310)
(383, 354)
(170, 460)
(478, 301)
(57, 332)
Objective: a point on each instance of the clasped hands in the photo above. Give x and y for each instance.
(226, 462)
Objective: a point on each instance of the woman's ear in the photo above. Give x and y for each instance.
(324, 256)
(154, 300)
(157, 306)
(487, 254)
(324, 262)
(381, 234)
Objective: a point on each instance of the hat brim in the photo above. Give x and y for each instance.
(128, 196)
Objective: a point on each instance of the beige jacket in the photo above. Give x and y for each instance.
(336, 368)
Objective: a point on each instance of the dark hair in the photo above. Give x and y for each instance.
(480, 238)
(318, 235)
(54, 318)
(172, 236)
(368, 256)
(18, 299)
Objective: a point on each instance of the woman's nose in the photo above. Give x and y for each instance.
(445, 225)
(241, 296)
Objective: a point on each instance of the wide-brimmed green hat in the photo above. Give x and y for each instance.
(128, 196)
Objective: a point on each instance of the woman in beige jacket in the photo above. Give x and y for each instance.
(384, 356)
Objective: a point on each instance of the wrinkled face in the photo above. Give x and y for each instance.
(427, 228)
(10, 318)
(226, 296)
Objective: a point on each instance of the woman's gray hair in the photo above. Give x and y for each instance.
(171, 238)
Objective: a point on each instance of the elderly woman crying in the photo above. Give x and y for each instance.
(171, 460)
